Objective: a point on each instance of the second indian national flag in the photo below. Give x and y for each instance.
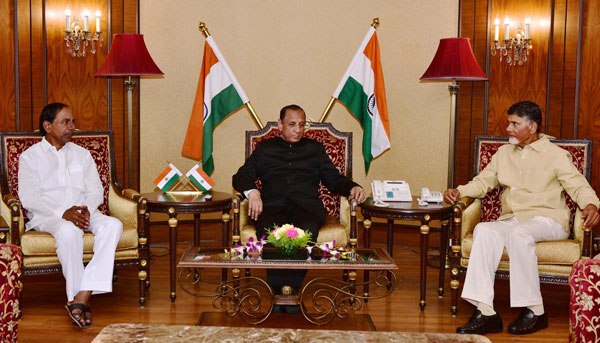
(363, 92)
(218, 95)
(200, 179)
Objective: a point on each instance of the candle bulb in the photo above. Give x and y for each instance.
(98, 21)
(68, 20)
(86, 20)
(506, 24)
(527, 27)
(496, 29)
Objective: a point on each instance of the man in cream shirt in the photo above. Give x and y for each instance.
(533, 172)
(60, 188)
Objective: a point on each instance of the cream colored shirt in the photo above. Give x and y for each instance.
(533, 178)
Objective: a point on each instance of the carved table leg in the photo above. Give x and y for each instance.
(172, 248)
(367, 232)
(443, 251)
(225, 240)
(390, 229)
(424, 246)
(197, 229)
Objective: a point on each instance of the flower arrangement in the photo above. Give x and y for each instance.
(288, 236)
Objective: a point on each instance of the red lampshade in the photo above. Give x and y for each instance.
(128, 56)
(454, 60)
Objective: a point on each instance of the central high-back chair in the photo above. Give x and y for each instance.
(555, 258)
(340, 224)
(39, 252)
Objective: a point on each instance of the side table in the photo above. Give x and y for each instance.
(411, 211)
(174, 204)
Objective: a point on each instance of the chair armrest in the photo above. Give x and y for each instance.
(471, 214)
(131, 194)
(236, 201)
(122, 208)
(582, 235)
(10, 210)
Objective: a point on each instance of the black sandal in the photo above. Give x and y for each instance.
(88, 317)
(76, 317)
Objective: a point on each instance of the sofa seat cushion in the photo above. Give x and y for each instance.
(37, 243)
(561, 252)
(52, 260)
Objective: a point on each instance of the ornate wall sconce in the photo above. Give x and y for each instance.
(515, 49)
(78, 38)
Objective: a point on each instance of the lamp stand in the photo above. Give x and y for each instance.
(453, 88)
(130, 85)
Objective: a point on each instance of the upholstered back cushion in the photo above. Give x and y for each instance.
(337, 144)
(486, 147)
(98, 144)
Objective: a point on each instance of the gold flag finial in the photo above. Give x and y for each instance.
(375, 23)
(203, 29)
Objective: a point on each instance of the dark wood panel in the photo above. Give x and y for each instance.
(570, 75)
(589, 101)
(24, 121)
(71, 79)
(118, 105)
(557, 70)
(38, 63)
(509, 84)
(7, 66)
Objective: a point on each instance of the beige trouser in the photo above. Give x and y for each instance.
(489, 240)
(97, 275)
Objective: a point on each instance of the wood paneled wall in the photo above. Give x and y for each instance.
(35, 69)
(561, 75)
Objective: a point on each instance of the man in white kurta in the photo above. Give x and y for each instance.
(533, 172)
(60, 188)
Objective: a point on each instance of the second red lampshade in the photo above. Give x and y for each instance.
(128, 56)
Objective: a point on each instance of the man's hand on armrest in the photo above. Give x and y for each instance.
(591, 216)
(255, 204)
(451, 195)
(358, 193)
(78, 215)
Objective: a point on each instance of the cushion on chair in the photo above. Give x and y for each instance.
(37, 243)
(10, 290)
(584, 318)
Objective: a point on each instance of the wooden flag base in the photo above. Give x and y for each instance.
(184, 186)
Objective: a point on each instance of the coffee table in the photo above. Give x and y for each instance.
(321, 300)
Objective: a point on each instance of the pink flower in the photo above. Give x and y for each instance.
(291, 233)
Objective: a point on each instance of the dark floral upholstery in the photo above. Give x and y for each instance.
(584, 319)
(337, 149)
(97, 145)
(491, 205)
(10, 289)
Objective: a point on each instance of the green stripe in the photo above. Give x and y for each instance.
(222, 105)
(196, 182)
(170, 183)
(354, 98)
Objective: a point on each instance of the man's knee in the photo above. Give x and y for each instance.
(519, 238)
(486, 232)
(68, 234)
(112, 227)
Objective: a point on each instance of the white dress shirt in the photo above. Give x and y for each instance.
(52, 181)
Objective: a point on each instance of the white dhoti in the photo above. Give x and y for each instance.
(97, 275)
(489, 240)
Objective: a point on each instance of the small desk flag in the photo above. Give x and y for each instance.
(167, 178)
(200, 179)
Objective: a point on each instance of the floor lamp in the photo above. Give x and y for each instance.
(454, 61)
(128, 57)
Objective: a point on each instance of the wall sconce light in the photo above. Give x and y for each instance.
(515, 49)
(76, 36)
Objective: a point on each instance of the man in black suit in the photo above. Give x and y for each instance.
(290, 168)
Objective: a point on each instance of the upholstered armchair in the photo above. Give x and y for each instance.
(555, 258)
(39, 252)
(340, 223)
(10, 290)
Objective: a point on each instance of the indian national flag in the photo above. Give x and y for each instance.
(200, 179)
(167, 178)
(218, 95)
(362, 91)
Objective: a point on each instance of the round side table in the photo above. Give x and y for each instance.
(411, 211)
(174, 204)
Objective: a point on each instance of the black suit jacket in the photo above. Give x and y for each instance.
(290, 175)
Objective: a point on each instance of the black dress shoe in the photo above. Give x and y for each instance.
(480, 325)
(527, 322)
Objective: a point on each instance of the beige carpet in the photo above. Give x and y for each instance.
(134, 333)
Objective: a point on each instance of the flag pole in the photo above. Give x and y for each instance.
(329, 106)
(202, 28)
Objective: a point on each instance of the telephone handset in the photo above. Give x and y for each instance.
(390, 191)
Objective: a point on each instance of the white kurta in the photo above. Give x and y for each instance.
(52, 181)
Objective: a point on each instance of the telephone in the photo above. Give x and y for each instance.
(390, 191)
(428, 196)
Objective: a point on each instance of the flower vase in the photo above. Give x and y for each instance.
(290, 252)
